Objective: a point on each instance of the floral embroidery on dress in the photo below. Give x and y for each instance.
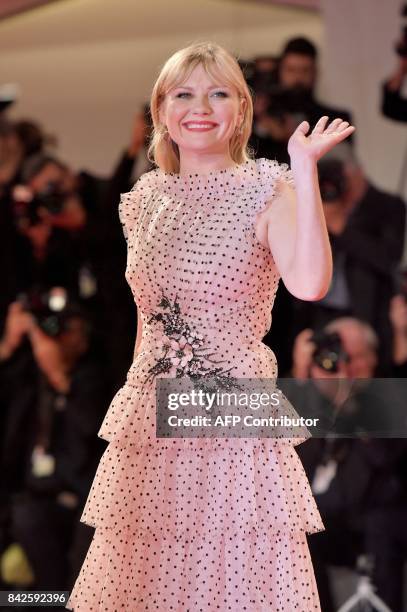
(183, 351)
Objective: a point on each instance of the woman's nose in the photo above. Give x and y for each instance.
(202, 104)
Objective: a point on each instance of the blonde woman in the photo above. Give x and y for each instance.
(205, 523)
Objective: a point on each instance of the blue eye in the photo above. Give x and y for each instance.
(222, 94)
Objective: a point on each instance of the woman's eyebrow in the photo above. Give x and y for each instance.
(211, 87)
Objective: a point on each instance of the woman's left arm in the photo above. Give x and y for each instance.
(296, 228)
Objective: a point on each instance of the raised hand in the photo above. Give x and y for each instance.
(321, 140)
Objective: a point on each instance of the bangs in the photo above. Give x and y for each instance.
(177, 75)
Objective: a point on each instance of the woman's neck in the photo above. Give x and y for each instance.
(204, 164)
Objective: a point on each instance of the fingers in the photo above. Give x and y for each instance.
(344, 133)
(334, 126)
(320, 125)
(303, 127)
(337, 126)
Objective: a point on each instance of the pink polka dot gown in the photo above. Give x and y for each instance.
(198, 524)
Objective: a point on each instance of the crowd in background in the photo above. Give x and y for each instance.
(68, 327)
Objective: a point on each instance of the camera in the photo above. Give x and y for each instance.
(328, 351)
(52, 309)
(26, 205)
(292, 101)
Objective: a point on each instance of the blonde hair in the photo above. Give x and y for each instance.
(218, 63)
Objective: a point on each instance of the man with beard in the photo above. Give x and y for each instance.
(291, 99)
(297, 74)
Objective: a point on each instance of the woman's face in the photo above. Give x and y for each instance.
(201, 114)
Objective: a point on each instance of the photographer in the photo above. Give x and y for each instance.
(50, 446)
(356, 477)
(49, 216)
(298, 77)
(366, 228)
(287, 100)
(57, 243)
(270, 132)
(273, 126)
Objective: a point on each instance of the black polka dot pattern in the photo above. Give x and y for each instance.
(198, 524)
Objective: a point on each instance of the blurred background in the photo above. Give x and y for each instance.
(83, 66)
(75, 82)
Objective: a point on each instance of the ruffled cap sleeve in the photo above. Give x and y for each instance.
(271, 174)
(130, 202)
